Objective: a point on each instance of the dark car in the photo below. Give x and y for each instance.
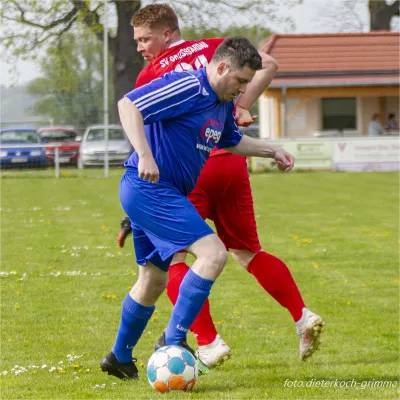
(66, 140)
(20, 148)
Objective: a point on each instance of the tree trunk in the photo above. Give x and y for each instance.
(127, 61)
(381, 14)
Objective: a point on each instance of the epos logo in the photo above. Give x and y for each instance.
(211, 131)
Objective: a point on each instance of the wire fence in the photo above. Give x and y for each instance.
(59, 152)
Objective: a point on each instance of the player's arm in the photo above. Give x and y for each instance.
(258, 148)
(132, 122)
(233, 141)
(163, 98)
(254, 89)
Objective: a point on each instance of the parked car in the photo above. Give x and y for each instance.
(93, 146)
(68, 141)
(18, 148)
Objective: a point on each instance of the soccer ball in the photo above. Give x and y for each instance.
(172, 368)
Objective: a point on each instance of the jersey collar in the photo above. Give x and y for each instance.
(176, 43)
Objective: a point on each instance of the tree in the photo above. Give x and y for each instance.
(71, 88)
(381, 14)
(346, 16)
(33, 24)
(255, 34)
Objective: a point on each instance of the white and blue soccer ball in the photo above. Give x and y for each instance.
(172, 368)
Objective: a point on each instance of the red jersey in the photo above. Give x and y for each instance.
(184, 55)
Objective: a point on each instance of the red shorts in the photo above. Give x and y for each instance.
(223, 195)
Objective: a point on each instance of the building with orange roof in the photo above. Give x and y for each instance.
(330, 84)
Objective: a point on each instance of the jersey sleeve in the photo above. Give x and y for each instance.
(170, 96)
(231, 134)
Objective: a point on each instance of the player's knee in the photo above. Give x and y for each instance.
(218, 256)
(242, 257)
(151, 283)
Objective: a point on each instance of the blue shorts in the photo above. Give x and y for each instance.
(163, 220)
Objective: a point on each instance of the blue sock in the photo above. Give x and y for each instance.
(193, 293)
(134, 319)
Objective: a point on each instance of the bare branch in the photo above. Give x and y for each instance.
(22, 11)
(69, 25)
(90, 18)
(70, 15)
(23, 20)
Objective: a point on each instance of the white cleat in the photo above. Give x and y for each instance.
(215, 353)
(309, 329)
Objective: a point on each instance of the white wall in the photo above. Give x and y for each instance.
(369, 107)
(392, 106)
(307, 120)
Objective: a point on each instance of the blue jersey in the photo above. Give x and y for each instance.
(184, 121)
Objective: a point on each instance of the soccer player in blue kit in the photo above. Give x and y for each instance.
(174, 123)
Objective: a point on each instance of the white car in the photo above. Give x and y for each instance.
(93, 146)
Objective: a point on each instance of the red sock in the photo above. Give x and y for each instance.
(274, 276)
(203, 326)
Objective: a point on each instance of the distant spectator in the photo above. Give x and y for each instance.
(375, 128)
(391, 123)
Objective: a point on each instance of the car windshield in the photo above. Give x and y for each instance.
(57, 136)
(96, 135)
(19, 137)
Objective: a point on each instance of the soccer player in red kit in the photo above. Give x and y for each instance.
(222, 193)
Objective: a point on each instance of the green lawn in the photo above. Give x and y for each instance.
(63, 279)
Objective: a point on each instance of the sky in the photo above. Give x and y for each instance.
(307, 18)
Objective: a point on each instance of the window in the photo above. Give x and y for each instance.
(57, 136)
(19, 137)
(97, 134)
(339, 114)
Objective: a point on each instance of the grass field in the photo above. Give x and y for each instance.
(63, 279)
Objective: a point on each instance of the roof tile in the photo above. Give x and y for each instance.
(341, 54)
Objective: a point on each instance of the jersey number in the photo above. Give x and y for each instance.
(199, 62)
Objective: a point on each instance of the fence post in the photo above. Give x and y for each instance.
(57, 161)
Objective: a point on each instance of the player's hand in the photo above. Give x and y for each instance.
(148, 169)
(284, 160)
(243, 117)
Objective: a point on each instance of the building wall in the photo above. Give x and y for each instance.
(308, 120)
(392, 106)
(303, 123)
(369, 107)
(267, 117)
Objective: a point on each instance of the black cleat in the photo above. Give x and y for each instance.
(161, 343)
(125, 231)
(124, 371)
